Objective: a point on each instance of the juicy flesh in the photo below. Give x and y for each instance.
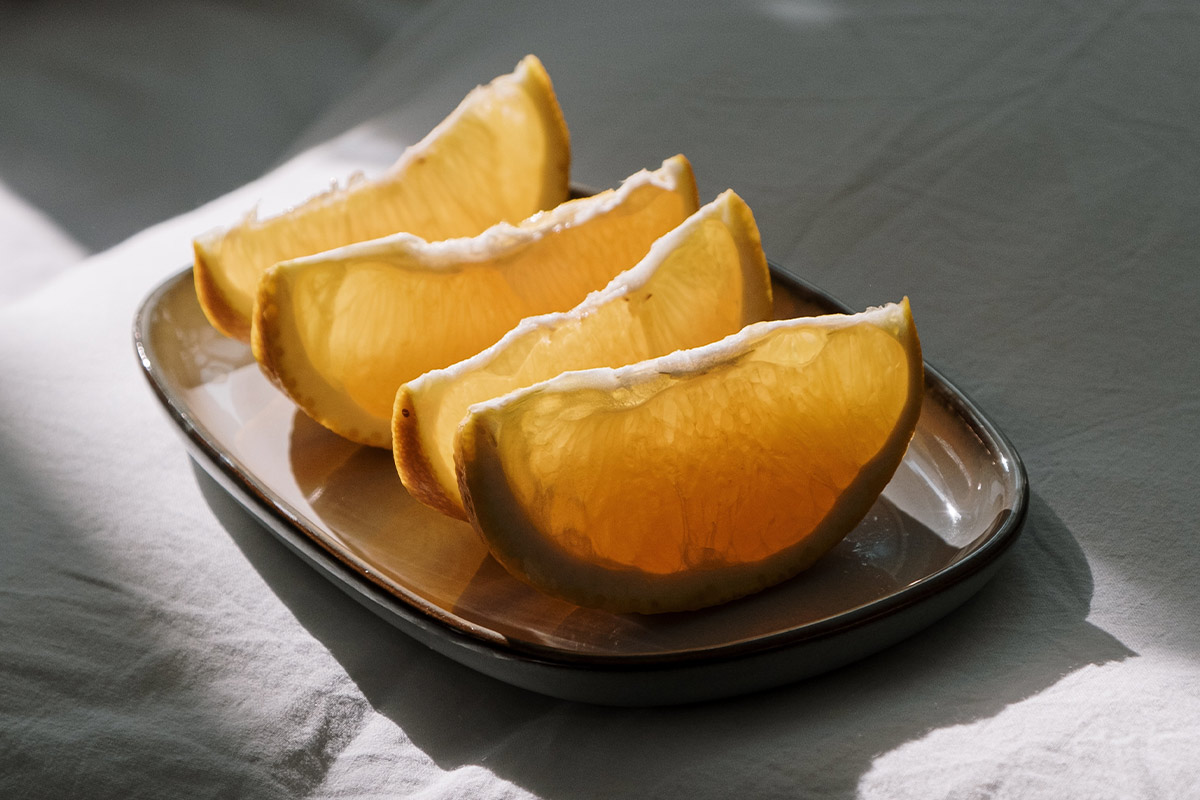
(728, 467)
(501, 156)
(702, 291)
(362, 325)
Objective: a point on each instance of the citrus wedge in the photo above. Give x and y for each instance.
(340, 331)
(701, 476)
(502, 155)
(704, 280)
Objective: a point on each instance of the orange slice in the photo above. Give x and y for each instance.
(706, 279)
(701, 476)
(341, 330)
(502, 155)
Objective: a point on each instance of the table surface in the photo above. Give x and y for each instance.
(1027, 173)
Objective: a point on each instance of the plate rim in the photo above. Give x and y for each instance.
(430, 620)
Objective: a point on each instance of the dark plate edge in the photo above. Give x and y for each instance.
(429, 624)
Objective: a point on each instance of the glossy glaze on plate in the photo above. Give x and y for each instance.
(955, 505)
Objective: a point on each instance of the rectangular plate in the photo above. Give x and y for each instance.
(953, 508)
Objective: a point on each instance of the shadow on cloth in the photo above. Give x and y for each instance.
(1021, 634)
(103, 687)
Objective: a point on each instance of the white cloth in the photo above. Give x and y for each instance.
(1025, 173)
(36, 248)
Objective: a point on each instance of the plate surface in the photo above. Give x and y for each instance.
(936, 535)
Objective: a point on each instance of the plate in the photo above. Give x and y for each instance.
(935, 536)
